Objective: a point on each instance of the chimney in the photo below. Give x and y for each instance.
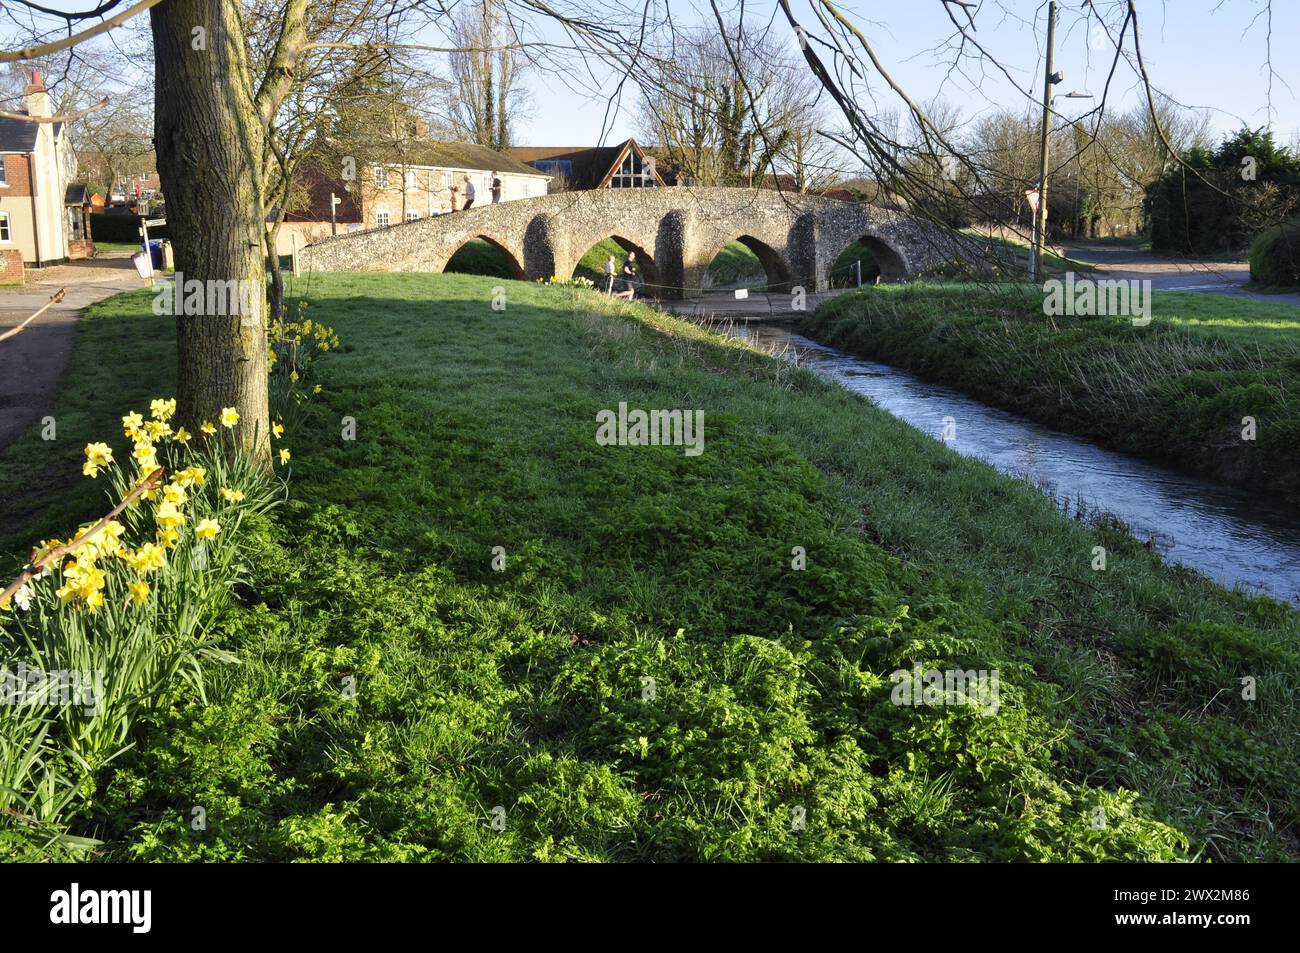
(38, 100)
(419, 128)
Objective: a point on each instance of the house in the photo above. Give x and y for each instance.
(44, 214)
(402, 183)
(626, 165)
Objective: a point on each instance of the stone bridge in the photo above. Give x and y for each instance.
(675, 232)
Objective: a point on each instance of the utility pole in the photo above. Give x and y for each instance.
(1049, 80)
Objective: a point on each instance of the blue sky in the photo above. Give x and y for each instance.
(1204, 53)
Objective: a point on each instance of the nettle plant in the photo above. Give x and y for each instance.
(125, 612)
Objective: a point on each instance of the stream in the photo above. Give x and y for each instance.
(1231, 535)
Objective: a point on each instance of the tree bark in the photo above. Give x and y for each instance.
(209, 143)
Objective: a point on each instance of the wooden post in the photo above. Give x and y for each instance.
(293, 236)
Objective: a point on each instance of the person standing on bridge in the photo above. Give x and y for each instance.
(469, 193)
(454, 191)
(496, 188)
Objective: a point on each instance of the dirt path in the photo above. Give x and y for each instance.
(32, 362)
(1168, 274)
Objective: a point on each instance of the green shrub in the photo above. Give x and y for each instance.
(1275, 256)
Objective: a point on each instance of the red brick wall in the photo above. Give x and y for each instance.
(80, 248)
(11, 266)
(16, 174)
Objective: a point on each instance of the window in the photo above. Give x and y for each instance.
(381, 218)
(412, 215)
(410, 182)
(4, 177)
(446, 178)
(560, 167)
(4, 227)
(381, 177)
(635, 172)
(74, 225)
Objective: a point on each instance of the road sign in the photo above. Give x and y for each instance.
(154, 222)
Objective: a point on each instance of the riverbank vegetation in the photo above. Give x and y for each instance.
(1212, 383)
(472, 632)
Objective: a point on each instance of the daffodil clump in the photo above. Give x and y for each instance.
(293, 345)
(577, 281)
(131, 603)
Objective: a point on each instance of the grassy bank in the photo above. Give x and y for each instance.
(1176, 390)
(644, 674)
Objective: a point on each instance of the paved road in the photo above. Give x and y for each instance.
(1167, 274)
(33, 361)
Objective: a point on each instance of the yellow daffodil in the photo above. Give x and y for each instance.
(229, 416)
(316, 389)
(293, 376)
(145, 456)
(192, 475)
(169, 537)
(162, 409)
(277, 428)
(150, 557)
(168, 515)
(207, 428)
(139, 591)
(207, 529)
(231, 496)
(131, 424)
(284, 456)
(98, 456)
(156, 429)
(175, 493)
(182, 436)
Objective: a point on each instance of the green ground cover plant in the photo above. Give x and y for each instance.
(643, 674)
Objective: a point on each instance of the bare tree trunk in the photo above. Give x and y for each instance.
(275, 294)
(209, 141)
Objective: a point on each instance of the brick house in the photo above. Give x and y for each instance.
(43, 211)
(408, 183)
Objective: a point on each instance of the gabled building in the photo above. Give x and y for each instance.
(44, 213)
(622, 166)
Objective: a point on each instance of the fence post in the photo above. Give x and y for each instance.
(857, 268)
(293, 237)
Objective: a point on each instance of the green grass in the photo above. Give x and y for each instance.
(118, 246)
(1176, 390)
(479, 257)
(1121, 733)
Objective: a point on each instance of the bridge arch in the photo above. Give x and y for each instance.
(646, 264)
(775, 267)
(888, 262)
(512, 264)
